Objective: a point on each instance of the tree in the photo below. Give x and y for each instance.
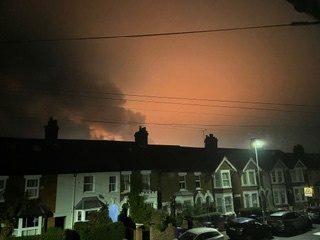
(140, 212)
(14, 199)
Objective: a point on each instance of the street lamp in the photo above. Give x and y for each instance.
(257, 143)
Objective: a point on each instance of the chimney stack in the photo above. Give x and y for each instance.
(51, 132)
(211, 142)
(141, 137)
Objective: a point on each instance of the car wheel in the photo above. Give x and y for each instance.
(269, 236)
(292, 230)
(248, 237)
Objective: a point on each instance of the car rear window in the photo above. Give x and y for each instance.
(275, 218)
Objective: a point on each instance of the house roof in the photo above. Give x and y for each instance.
(33, 156)
(35, 210)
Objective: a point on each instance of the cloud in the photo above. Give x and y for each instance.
(44, 79)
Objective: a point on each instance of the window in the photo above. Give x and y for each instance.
(222, 179)
(251, 199)
(197, 182)
(112, 183)
(126, 183)
(3, 181)
(248, 178)
(299, 194)
(182, 182)
(32, 186)
(277, 176)
(297, 175)
(279, 196)
(88, 184)
(146, 181)
(30, 222)
(224, 203)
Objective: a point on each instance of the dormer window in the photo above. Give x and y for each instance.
(297, 175)
(222, 179)
(277, 176)
(248, 178)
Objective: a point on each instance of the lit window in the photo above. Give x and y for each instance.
(88, 184)
(32, 186)
(112, 183)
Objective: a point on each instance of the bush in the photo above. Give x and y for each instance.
(114, 231)
(82, 228)
(53, 233)
(213, 217)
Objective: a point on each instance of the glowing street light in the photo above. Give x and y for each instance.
(258, 143)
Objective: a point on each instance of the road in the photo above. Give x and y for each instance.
(312, 234)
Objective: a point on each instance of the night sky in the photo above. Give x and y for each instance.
(183, 69)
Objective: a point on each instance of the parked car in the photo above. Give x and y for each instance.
(289, 222)
(201, 233)
(314, 213)
(248, 228)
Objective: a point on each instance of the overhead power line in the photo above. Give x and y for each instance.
(67, 93)
(305, 23)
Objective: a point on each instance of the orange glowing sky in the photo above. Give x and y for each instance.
(230, 69)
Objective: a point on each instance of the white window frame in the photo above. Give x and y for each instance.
(34, 229)
(246, 180)
(32, 191)
(112, 185)
(146, 180)
(298, 193)
(126, 182)
(297, 175)
(88, 184)
(277, 176)
(249, 197)
(219, 180)
(82, 214)
(182, 182)
(280, 196)
(197, 177)
(224, 203)
(3, 181)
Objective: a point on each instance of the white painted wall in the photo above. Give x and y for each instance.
(70, 192)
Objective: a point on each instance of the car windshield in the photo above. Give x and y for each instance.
(187, 236)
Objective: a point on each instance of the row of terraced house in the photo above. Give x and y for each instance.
(68, 177)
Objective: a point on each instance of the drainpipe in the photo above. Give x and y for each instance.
(74, 200)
